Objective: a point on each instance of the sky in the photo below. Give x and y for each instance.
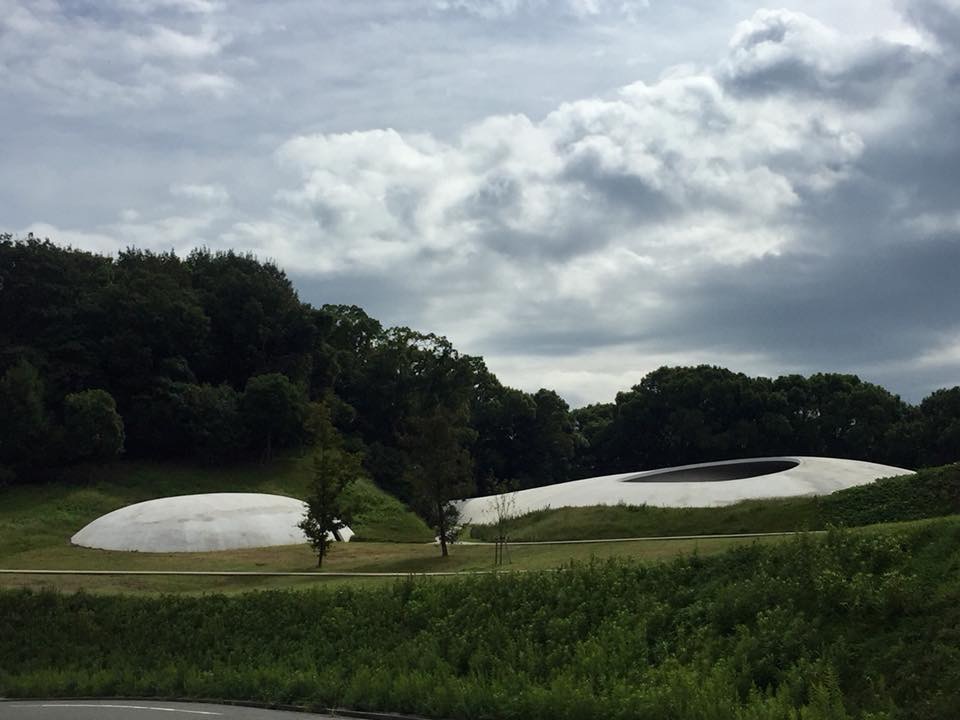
(580, 191)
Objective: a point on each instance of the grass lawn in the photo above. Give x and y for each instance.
(618, 521)
(350, 557)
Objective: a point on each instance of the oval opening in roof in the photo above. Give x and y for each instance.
(717, 472)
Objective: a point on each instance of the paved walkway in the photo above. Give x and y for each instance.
(245, 573)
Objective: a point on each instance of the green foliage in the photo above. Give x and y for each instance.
(681, 415)
(528, 440)
(93, 429)
(624, 521)
(326, 514)
(176, 341)
(210, 418)
(23, 419)
(940, 441)
(932, 492)
(440, 468)
(861, 625)
(257, 323)
(379, 517)
(273, 410)
(333, 471)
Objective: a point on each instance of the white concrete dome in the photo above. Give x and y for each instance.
(200, 523)
(701, 485)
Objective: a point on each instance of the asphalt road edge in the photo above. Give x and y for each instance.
(316, 709)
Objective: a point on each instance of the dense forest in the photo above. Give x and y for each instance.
(213, 358)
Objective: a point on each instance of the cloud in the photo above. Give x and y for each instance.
(778, 51)
(789, 205)
(939, 18)
(499, 9)
(133, 55)
(214, 193)
(756, 204)
(676, 171)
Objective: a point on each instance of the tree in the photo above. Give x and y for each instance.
(592, 424)
(333, 470)
(257, 322)
(23, 419)
(93, 428)
(274, 411)
(211, 421)
(940, 425)
(440, 468)
(505, 509)
(554, 440)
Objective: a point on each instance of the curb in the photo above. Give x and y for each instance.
(241, 573)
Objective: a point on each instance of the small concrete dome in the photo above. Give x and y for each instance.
(200, 523)
(702, 485)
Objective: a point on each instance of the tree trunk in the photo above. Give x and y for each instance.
(442, 527)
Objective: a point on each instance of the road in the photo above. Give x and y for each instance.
(139, 710)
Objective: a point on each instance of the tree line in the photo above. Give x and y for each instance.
(213, 358)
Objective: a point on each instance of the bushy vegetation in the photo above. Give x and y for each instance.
(626, 521)
(931, 492)
(859, 624)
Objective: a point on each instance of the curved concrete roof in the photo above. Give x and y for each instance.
(199, 523)
(700, 485)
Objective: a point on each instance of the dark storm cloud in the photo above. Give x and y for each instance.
(379, 296)
(624, 190)
(785, 53)
(940, 18)
(859, 84)
(849, 309)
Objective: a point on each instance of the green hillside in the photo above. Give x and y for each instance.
(43, 517)
(856, 624)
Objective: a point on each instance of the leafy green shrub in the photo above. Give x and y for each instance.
(931, 492)
(848, 625)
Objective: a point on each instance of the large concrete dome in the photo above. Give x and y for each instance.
(701, 485)
(199, 523)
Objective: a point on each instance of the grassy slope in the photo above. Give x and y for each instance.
(352, 557)
(858, 624)
(45, 516)
(36, 524)
(618, 521)
(932, 492)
